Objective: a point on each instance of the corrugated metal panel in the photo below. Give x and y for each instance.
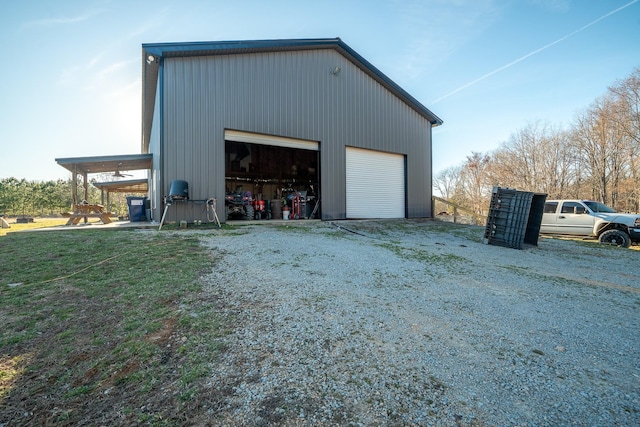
(155, 147)
(375, 184)
(294, 95)
(159, 51)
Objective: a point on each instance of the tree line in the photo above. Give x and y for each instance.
(20, 197)
(597, 158)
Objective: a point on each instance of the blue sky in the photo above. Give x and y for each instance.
(70, 75)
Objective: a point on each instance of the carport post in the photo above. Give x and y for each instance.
(108, 205)
(86, 192)
(74, 187)
(86, 187)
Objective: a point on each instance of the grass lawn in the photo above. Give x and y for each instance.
(38, 223)
(104, 327)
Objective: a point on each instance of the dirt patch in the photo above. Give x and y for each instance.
(164, 335)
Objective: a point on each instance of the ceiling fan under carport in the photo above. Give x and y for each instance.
(119, 174)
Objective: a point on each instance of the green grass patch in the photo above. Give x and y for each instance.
(537, 277)
(107, 316)
(422, 255)
(434, 262)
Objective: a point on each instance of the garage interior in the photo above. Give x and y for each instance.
(264, 181)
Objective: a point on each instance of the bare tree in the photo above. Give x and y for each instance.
(516, 162)
(627, 112)
(602, 150)
(558, 171)
(446, 182)
(536, 158)
(626, 116)
(474, 184)
(598, 157)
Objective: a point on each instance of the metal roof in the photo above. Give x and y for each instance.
(152, 54)
(104, 164)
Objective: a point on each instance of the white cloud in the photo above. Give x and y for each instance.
(49, 22)
(534, 52)
(114, 68)
(436, 29)
(93, 62)
(152, 22)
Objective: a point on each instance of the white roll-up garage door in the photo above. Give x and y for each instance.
(375, 184)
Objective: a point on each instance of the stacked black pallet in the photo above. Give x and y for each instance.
(514, 218)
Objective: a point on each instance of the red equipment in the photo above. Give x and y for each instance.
(259, 208)
(296, 206)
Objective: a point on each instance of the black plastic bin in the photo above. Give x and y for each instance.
(136, 205)
(514, 218)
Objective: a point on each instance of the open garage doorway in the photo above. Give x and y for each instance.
(271, 177)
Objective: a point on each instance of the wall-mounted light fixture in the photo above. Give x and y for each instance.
(336, 71)
(151, 59)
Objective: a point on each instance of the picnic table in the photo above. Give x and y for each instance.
(86, 210)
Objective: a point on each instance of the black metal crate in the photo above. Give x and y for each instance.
(510, 222)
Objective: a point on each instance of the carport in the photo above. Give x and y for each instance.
(127, 186)
(117, 165)
(83, 166)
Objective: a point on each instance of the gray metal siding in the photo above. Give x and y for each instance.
(155, 189)
(292, 94)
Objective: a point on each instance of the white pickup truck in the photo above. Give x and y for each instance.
(590, 219)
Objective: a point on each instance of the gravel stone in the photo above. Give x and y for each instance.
(417, 322)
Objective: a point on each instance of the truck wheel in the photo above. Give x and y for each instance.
(616, 238)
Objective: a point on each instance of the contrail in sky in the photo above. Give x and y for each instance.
(504, 67)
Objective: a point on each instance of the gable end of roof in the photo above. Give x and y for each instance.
(152, 54)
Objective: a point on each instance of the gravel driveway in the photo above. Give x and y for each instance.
(385, 323)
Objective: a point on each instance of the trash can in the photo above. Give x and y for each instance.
(136, 208)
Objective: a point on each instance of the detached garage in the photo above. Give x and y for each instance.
(268, 126)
